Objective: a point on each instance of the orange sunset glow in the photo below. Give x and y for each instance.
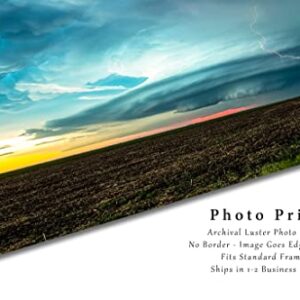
(55, 150)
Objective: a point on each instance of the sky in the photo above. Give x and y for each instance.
(77, 75)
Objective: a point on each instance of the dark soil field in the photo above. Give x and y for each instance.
(69, 195)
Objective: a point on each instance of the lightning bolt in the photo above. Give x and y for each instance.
(262, 41)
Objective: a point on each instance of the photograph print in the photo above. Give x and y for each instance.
(111, 108)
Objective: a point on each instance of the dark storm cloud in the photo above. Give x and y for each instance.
(67, 43)
(234, 80)
(44, 132)
(28, 29)
(35, 37)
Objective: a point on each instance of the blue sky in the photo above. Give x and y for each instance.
(106, 69)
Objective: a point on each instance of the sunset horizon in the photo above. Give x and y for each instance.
(29, 159)
(88, 75)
